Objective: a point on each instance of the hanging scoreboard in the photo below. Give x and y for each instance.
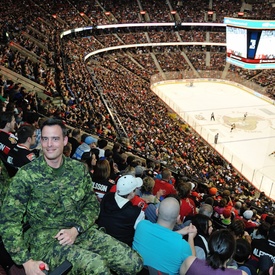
(250, 44)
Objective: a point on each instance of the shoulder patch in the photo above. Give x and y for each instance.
(31, 156)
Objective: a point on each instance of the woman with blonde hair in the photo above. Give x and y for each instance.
(147, 191)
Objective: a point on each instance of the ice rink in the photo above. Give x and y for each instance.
(249, 145)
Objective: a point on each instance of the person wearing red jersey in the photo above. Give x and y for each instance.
(164, 184)
(187, 205)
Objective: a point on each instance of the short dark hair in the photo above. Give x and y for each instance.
(130, 159)
(108, 153)
(55, 121)
(6, 117)
(237, 227)
(263, 229)
(183, 188)
(102, 143)
(32, 117)
(202, 224)
(243, 250)
(116, 147)
(75, 132)
(209, 200)
(24, 132)
(83, 137)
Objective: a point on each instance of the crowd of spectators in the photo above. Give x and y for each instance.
(165, 61)
(120, 80)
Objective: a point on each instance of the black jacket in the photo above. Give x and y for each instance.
(118, 222)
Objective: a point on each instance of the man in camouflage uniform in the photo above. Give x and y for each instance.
(54, 195)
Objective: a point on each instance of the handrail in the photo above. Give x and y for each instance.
(27, 83)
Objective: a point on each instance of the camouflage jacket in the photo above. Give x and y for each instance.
(49, 200)
(4, 182)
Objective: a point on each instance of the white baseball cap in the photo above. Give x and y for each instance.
(128, 183)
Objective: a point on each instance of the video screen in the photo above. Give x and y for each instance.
(233, 35)
(266, 45)
(250, 43)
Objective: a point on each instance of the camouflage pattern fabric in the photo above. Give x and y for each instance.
(53, 199)
(4, 182)
(95, 252)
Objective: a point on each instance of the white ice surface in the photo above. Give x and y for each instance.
(248, 146)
